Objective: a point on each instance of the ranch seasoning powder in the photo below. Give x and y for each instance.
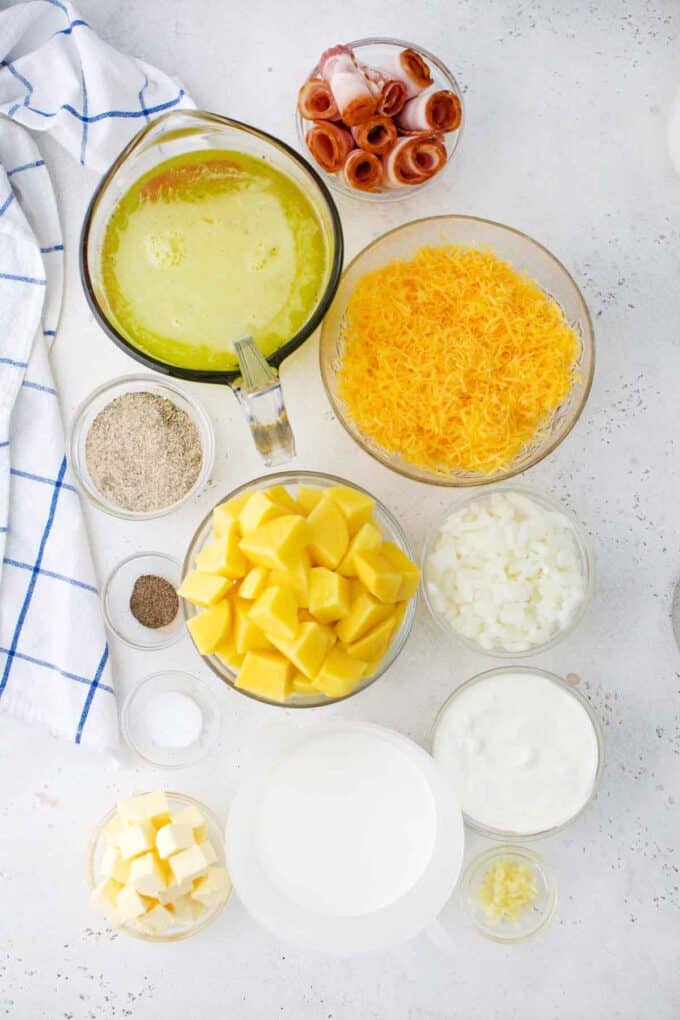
(143, 452)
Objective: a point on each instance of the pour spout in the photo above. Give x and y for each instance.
(261, 398)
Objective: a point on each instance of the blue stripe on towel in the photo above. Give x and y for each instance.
(51, 573)
(23, 279)
(90, 694)
(25, 166)
(109, 113)
(57, 669)
(39, 386)
(7, 203)
(13, 363)
(40, 478)
(52, 247)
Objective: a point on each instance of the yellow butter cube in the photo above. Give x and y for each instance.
(410, 572)
(208, 851)
(366, 612)
(297, 579)
(223, 557)
(130, 904)
(257, 510)
(112, 830)
(266, 674)
(310, 647)
(329, 595)
(226, 514)
(143, 806)
(155, 921)
(147, 875)
(253, 584)
(280, 495)
(367, 539)
(173, 837)
(104, 899)
(189, 815)
(203, 589)
(113, 866)
(211, 628)
(187, 864)
(278, 544)
(379, 575)
(137, 839)
(275, 612)
(357, 506)
(339, 674)
(328, 534)
(248, 637)
(212, 888)
(375, 643)
(307, 498)
(186, 910)
(174, 890)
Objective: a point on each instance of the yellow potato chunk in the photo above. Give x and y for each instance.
(228, 655)
(267, 674)
(226, 514)
(339, 674)
(210, 628)
(367, 539)
(223, 557)
(366, 613)
(277, 545)
(410, 573)
(307, 498)
(303, 685)
(254, 583)
(356, 506)
(248, 637)
(203, 589)
(276, 612)
(310, 647)
(281, 495)
(257, 510)
(297, 579)
(328, 534)
(329, 595)
(379, 575)
(374, 644)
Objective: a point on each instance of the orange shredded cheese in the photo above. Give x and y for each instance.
(454, 360)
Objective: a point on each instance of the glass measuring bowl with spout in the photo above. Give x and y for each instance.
(254, 377)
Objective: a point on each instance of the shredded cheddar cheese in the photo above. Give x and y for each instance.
(507, 890)
(454, 360)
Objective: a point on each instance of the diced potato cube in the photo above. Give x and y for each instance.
(113, 866)
(309, 648)
(137, 839)
(213, 887)
(155, 921)
(277, 545)
(203, 589)
(374, 644)
(366, 613)
(379, 575)
(189, 815)
(174, 891)
(226, 514)
(328, 534)
(223, 557)
(275, 612)
(281, 495)
(144, 805)
(210, 628)
(147, 875)
(266, 674)
(410, 572)
(248, 637)
(357, 506)
(307, 498)
(329, 595)
(367, 539)
(254, 583)
(131, 904)
(186, 910)
(187, 864)
(297, 579)
(303, 685)
(228, 655)
(257, 510)
(104, 899)
(172, 838)
(339, 674)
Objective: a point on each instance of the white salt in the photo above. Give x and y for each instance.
(174, 720)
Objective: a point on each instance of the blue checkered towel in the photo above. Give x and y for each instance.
(56, 75)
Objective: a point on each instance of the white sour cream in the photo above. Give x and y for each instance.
(521, 751)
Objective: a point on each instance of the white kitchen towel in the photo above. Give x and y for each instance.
(56, 75)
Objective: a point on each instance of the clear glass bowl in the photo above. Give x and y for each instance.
(372, 51)
(532, 920)
(526, 256)
(584, 554)
(505, 835)
(98, 400)
(215, 835)
(384, 520)
(140, 737)
(116, 601)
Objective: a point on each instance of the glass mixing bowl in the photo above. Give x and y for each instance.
(373, 51)
(526, 256)
(391, 530)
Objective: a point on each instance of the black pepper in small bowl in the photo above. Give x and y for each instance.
(140, 602)
(153, 601)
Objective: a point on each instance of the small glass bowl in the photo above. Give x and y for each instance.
(103, 396)
(532, 920)
(215, 835)
(584, 554)
(116, 601)
(568, 686)
(140, 737)
(387, 524)
(372, 51)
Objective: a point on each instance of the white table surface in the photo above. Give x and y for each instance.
(566, 110)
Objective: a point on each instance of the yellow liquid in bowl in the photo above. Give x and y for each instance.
(209, 246)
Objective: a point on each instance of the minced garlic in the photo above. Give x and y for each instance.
(508, 889)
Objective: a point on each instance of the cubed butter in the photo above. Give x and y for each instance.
(208, 851)
(172, 838)
(131, 904)
(328, 534)
(339, 674)
(104, 899)
(278, 544)
(113, 866)
(186, 910)
(254, 583)
(137, 839)
(148, 875)
(155, 921)
(356, 506)
(174, 891)
(275, 612)
(112, 830)
(189, 815)
(143, 806)
(213, 887)
(188, 864)
(266, 674)
(210, 628)
(329, 595)
(203, 589)
(223, 557)
(379, 575)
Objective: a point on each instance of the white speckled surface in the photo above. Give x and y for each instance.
(566, 109)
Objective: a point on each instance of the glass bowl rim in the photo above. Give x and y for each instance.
(396, 194)
(537, 863)
(335, 260)
(130, 699)
(405, 628)
(205, 922)
(202, 421)
(585, 550)
(171, 638)
(383, 456)
(503, 835)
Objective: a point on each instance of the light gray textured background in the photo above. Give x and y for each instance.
(566, 107)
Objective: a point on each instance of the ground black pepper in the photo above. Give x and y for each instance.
(153, 601)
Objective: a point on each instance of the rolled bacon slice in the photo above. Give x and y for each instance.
(414, 159)
(354, 98)
(376, 135)
(408, 67)
(329, 144)
(315, 101)
(391, 92)
(363, 170)
(431, 111)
